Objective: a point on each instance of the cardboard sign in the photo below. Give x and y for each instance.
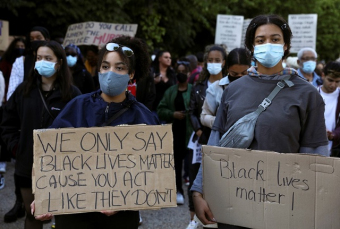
(259, 189)
(229, 31)
(4, 35)
(303, 27)
(97, 33)
(110, 168)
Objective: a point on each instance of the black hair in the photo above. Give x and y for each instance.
(138, 63)
(199, 56)
(155, 62)
(238, 56)
(63, 80)
(264, 20)
(332, 68)
(185, 62)
(205, 73)
(10, 55)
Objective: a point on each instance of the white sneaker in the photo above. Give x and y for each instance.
(2, 167)
(193, 225)
(140, 219)
(180, 198)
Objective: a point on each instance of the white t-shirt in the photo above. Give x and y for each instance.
(331, 102)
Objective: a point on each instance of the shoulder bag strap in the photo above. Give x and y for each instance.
(45, 105)
(279, 86)
(119, 113)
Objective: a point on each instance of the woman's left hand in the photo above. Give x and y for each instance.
(109, 212)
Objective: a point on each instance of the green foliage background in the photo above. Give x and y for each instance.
(180, 26)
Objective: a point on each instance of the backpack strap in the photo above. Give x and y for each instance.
(268, 100)
(45, 105)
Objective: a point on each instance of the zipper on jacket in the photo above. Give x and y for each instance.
(107, 111)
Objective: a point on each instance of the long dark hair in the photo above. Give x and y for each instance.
(204, 75)
(63, 80)
(10, 55)
(238, 56)
(264, 20)
(155, 64)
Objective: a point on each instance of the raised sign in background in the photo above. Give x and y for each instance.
(97, 33)
(304, 28)
(111, 168)
(261, 189)
(229, 31)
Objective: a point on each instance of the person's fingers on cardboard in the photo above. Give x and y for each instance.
(44, 217)
(32, 207)
(109, 213)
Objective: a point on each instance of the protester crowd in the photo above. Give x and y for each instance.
(46, 85)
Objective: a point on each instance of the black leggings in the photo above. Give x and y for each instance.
(121, 220)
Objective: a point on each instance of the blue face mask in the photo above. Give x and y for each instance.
(112, 83)
(308, 66)
(71, 60)
(45, 68)
(214, 68)
(268, 54)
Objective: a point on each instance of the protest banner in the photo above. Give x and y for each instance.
(246, 23)
(304, 28)
(79, 170)
(97, 33)
(4, 35)
(261, 189)
(229, 31)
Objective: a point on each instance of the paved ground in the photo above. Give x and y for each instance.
(169, 218)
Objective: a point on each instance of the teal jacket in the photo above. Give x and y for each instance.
(166, 107)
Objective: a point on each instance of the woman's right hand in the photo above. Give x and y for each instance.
(179, 115)
(202, 209)
(40, 217)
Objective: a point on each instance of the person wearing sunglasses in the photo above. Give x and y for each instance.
(81, 77)
(121, 60)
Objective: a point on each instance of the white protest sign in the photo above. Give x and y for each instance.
(246, 23)
(196, 149)
(4, 35)
(229, 31)
(304, 28)
(97, 33)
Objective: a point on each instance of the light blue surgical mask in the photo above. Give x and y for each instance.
(45, 68)
(112, 83)
(268, 54)
(214, 68)
(71, 60)
(308, 66)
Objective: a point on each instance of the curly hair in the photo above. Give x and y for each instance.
(138, 63)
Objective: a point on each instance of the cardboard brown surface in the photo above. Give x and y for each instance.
(261, 189)
(109, 168)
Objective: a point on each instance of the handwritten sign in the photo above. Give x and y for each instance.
(259, 189)
(97, 33)
(246, 23)
(4, 35)
(112, 168)
(229, 31)
(304, 28)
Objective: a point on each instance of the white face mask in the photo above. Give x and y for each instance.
(214, 68)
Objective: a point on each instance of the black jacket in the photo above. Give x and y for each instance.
(21, 115)
(196, 102)
(83, 79)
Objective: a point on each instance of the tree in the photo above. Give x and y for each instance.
(179, 26)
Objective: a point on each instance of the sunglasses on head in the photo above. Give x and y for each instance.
(183, 63)
(114, 47)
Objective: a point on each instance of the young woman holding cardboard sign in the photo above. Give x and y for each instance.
(294, 120)
(34, 105)
(121, 60)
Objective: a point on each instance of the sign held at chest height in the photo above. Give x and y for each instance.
(111, 168)
(261, 189)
